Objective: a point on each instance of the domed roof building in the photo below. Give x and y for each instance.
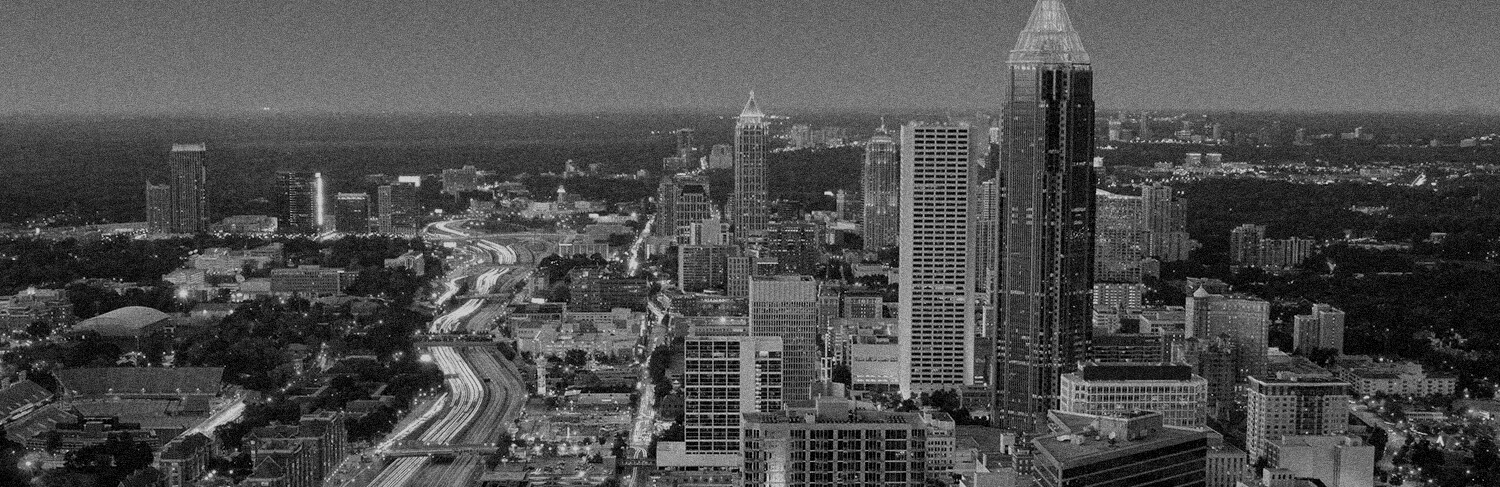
(127, 322)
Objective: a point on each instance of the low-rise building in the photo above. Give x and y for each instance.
(1369, 377)
(1135, 449)
(1337, 460)
(1119, 388)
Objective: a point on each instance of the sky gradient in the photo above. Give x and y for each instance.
(169, 56)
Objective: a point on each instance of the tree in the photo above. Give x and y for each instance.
(39, 329)
(576, 357)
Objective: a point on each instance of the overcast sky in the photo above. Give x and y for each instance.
(617, 55)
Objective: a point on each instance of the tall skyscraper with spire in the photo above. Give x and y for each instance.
(881, 185)
(1047, 218)
(751, 205)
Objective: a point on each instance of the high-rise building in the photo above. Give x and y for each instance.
(396, 206)
(1164, 219)
(1246, 320)
(1136, 449)
(721, 156)
(880, 183)
(1046, 164)
(795, 245)
(685, 147)
(787, 307)
(987, 237)
(352, 212)
(300, 201)
(181, 205)
(725, 376)
(1321, 328)
(835, 443)
(457, 181)
(682, 201)
(751, 201)
(1245, 242)
(1112, 389)
(1284, 252)
(702, 267)
(158, 207)
(1117, 238)
(1297, 406)
(939, 164)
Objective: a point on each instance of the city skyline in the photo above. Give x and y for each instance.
(591, 56)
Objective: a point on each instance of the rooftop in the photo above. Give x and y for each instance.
(1049, 37)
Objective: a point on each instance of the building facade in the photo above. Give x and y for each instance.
(936, 286)
(300, 201)
(787, 307)
(352, 212)
(1112, 389)
(1323, 328)
(1286, 407)
(834, 444)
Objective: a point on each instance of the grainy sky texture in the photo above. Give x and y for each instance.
(611, 55)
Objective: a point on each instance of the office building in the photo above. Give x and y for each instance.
(181, 205)
(880, 184)
(1145, 348)
(1244, 244)
(835, 443)
(796, 245)
(1214, 359)
(1245, 320)
(396, 207)
(721, 156)
(693, 205)
(352, 212)
(456, 181)
(309, 280)
(300, 201)
(751, 202)
(987, 238)
(1119, 295)
(1164, 219)
(1112, 389)
(1117, 238)
(1136, 449)
(1337, 461)
(703, 267)
(590, 291)
(1047, 230)
(158, 207)
(1297, 406)
(936, 286)
(1323, 328)
(1226, 464)
(786, 307)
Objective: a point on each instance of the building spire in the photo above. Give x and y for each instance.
(752, 109)
(882, 125)
(1049, 37)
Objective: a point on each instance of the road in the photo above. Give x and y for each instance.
(485, 391)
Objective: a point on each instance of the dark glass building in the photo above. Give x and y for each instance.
(1046, 154)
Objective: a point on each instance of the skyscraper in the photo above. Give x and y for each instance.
(352, 213)
(1321, 328)
(787, 307)
(880, 183)
(1245, 320)
(987, 237)
(1164, 217)
(1046, 164)
(300, 200)
(1244, 244)
(1117, 238)
(682, 200)
(158, 207)
(751, 205)
(939, 165)
(396, 206)
(182, 206)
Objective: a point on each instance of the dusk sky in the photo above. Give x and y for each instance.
(574, 55)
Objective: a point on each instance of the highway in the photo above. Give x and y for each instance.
(485, 392)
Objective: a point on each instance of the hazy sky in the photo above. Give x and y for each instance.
(610, 55)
